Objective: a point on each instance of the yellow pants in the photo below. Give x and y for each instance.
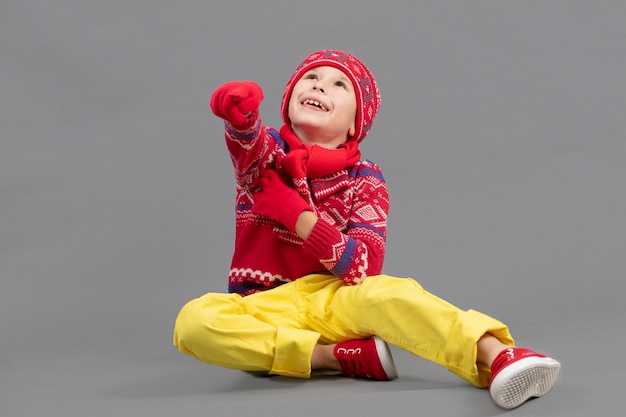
(275, 331)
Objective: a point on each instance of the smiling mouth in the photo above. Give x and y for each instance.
(314, 103)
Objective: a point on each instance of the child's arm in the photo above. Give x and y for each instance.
(351, 256)
(238, 103)
(305, 223)
(360, 251)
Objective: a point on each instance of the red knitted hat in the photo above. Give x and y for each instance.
(366, 90)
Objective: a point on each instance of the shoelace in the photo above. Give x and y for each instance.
(351, 363)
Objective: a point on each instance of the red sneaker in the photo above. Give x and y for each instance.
(519, 374)
(369, 358)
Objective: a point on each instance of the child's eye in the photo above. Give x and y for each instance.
(340, 84)
(311, 77)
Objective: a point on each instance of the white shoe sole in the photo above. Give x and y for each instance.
(527, 378)
(385, 358)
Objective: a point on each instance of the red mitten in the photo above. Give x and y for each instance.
(278, 201)
(238, 103)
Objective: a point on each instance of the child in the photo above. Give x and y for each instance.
(305, 285)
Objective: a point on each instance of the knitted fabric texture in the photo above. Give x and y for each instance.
(348, 240)
(365, 87)
(315, 161)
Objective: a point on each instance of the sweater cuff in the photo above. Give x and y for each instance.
(245, 132)
(322, 236)
(293, 205)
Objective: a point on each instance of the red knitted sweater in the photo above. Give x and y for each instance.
(347, 241)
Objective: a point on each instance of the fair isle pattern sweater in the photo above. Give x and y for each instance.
(347, 241)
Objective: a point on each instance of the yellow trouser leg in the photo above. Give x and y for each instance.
(276, 330)
(260, 332)
(402, 313)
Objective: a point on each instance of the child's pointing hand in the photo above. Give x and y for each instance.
(238, 103)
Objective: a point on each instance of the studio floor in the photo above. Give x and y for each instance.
(161, 382)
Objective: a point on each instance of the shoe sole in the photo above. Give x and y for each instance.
(386, 360)
(527, 378)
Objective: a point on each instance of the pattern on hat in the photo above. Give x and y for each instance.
(365, 87)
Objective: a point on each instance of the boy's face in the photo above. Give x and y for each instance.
(322, 107)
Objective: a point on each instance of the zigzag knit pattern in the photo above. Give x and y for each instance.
(348, 240)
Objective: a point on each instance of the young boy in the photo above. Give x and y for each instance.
(305, 285)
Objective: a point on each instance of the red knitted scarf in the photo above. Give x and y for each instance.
(316, 161)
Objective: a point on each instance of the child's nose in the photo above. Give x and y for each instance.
(318, 86)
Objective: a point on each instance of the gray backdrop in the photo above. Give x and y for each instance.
(502, 136)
